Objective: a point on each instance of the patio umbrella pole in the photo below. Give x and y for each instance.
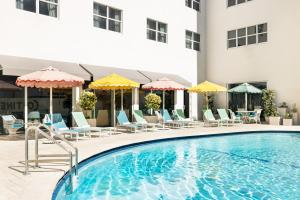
(206, 96)
(163, 100)
(122, 93)
(26, 107)
(246, 99)
(114, 108)
(51, 104)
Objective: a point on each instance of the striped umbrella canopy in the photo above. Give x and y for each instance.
(163, 84)
(49, 77)
(245, 88)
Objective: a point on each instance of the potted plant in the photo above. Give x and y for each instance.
(270, 111)
(294, 112)
(282, 109)
(288, 119)
(88, 102)
(152, 103)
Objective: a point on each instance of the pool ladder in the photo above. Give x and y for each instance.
(52, 136)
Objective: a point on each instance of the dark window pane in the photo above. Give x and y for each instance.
(115, 14)
(48, 9)
(251, 30)
(231, 34)
(100, 9)
(196, 6)
(188, 3)
(196, 46)
(262, 28)
(162, 27)
(241, 32)
(151, 24)
(262, 37)
(196, 37)
(252, 39)
(231, 3)
(114, 26)
(188, 35)
(99, 22)
(161, 37)
(241, 1)
(241, 41)
(188, 44)
(151, 35)
(28, 5)
(231, 43)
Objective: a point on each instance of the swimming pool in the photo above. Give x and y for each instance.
(244, 166)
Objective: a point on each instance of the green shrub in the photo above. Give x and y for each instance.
(87, 100)
(152, 101)
(269, 103)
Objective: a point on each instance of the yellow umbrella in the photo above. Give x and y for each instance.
(114, 82)
(207, 87)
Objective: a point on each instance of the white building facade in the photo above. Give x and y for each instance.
(254, 41)
(164, 37)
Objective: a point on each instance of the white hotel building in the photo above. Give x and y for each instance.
(189, 41)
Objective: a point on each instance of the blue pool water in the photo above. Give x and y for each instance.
(248, 166)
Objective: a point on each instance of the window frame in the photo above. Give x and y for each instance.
(236, 3)
(247, 35)
(191, 2)
(193, 41)
(156, 30)
(107, 18)
(37, 8)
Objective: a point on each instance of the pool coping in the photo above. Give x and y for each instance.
(136, 144)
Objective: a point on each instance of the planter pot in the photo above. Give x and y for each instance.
(287, 122)
(282, 111)
(92, 122)
(274, 121)
(151, 119)
(295, 119)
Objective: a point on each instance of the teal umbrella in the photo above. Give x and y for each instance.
(245, 88)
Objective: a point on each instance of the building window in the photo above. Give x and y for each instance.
(44, 7)
(194, 4)
(247, 36)
(235, 2)
(157, 31)
(192, 40)
(107, 18)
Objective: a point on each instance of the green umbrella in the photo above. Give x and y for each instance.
(245, 88)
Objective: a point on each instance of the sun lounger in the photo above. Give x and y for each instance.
(168, 121)
(123, 122)
(59, 126)
(139, 117)
(209, 118)
(179, 115)
(10, 125)
(235, 118)
(224, 117)
(82, 125)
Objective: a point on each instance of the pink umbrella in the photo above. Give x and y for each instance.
(163, 84)
(48, 78)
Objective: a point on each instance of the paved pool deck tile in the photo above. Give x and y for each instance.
(40, 183)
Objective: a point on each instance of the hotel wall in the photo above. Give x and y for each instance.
(276, 62)
(73, 38)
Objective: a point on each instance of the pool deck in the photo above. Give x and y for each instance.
(40, 183)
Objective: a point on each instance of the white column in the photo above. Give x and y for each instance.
(51, 102)
(135, 99)
(164, 94)
(194, 106)
(179, 99)
(26, 107)
(75, 97)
